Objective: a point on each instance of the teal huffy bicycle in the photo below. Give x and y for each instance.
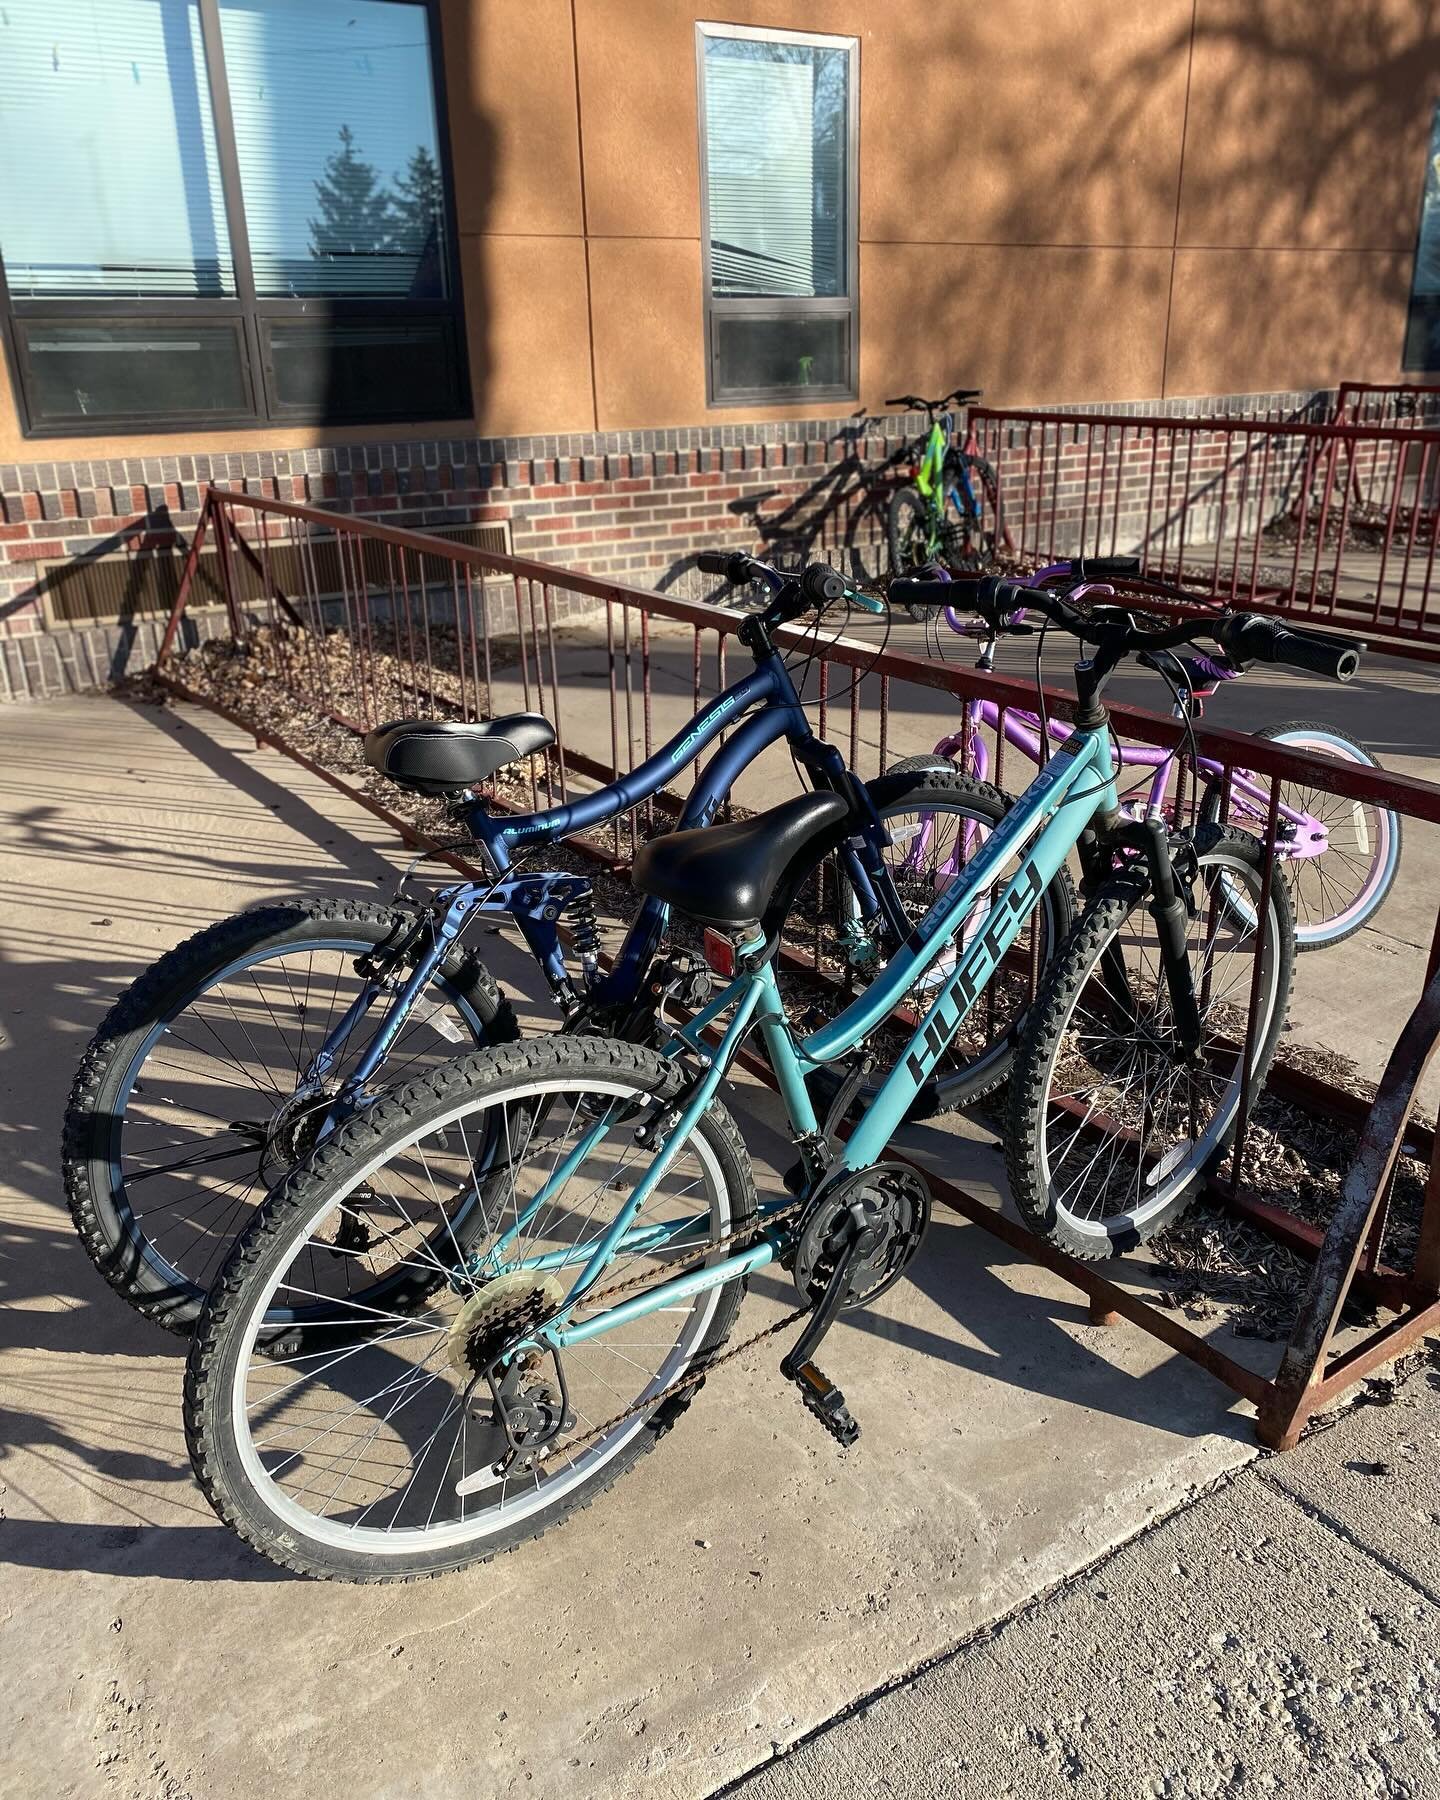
(564, 1229)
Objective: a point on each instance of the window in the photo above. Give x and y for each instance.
(1422, 334)
(777, 157)
(225, 211)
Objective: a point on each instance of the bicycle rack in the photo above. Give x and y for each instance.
(1345, 1257)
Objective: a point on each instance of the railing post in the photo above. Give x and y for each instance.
(187, 579)
(1286, 1408)
(227, 570)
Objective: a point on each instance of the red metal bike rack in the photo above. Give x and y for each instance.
(413, 584)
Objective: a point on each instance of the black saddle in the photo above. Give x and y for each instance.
(732, 875)
(1195, 671)
(437, 756)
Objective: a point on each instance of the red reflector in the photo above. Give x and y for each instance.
(719, 952)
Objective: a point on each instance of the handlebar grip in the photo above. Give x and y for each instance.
(1250, 638)
(1100, 568)
(906, 400)
(914, 590)
(821, 586)
(1334, 661)
(736, 567)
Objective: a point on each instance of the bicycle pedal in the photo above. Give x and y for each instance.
(824, 1399)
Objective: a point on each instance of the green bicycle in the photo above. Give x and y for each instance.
(575, 1218)
(950, 513)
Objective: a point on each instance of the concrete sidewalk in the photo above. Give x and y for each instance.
(745, 1586)
(1280, 1635)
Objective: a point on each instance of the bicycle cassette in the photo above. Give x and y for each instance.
(893, 1197)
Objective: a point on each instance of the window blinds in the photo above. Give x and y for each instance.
(775, 146)
(759, 132)
(109, 178)
(336, 140)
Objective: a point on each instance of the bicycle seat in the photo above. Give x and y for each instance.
(441, 756)
(747, 873)
(1199, 672)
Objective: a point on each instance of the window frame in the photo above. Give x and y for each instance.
(845, 305)
(251, 315)
(1425, 365)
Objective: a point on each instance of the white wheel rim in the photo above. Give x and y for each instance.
(381, 1543)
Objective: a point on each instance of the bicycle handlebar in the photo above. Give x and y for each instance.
(961, 397)
(1244, 637)
(814, 588)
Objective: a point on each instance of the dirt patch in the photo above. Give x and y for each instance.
(1296, 1159)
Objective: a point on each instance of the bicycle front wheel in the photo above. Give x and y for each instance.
(375, 1448)
(1109, 1131)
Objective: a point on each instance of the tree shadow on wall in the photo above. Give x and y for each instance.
(1053, 270)
(1304, 128)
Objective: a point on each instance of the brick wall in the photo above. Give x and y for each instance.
(635, 505)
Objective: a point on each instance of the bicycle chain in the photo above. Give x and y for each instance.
(693, 1377)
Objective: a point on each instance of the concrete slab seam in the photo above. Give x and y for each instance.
(1319, 1516)
(986, 1633)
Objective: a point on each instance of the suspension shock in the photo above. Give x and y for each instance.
(585, 934)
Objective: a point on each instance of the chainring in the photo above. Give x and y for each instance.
(892, 1195)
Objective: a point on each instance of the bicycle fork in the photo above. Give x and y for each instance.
(1171, 913)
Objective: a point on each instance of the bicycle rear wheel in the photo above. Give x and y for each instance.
(1109, 1135)
(182, 1112)
(910, 531)
(374, 1449)
(1340, 890)
(968, 529)
(938, 820)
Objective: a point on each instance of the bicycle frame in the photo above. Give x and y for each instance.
(535, 900)
(930, 476)
(1308, 837)
(1046, 822)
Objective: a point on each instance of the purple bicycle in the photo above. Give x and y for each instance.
(1340, 857)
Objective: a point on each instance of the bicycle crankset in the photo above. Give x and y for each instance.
(857, 1237)
(892, 1200)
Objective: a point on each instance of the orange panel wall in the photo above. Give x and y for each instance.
(1059, 200)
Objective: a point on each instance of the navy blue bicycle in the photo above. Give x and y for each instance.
(229, 1060)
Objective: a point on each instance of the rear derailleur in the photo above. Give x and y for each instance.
(680, 977)
(492, 1341)
(857, 1236)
